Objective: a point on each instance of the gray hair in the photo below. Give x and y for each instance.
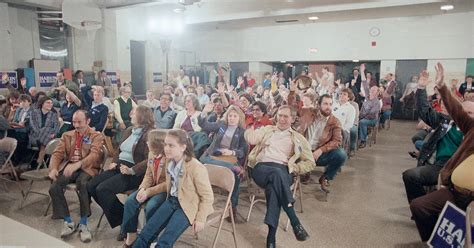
(195, 101)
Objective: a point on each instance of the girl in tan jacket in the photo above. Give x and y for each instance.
(189, 194)
(147, 191)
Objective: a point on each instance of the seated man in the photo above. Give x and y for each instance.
(369, 114)
(325, 137)
(436, 150)
(164, 115)
(279, 152)
(75, 160)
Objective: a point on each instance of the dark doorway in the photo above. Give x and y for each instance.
(137, 58)
(405, 70)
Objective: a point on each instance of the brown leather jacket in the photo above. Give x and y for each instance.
(331, 138)
(91, 151)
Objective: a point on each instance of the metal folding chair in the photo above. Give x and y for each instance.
(39, 174)
(8, 145)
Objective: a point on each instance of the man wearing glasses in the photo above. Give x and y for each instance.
(164, 114)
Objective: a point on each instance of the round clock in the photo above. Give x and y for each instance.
(374, 31)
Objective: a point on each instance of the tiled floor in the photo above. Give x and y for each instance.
(367, 206)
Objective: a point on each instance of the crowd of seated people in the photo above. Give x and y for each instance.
(275, 130)
(445, 158)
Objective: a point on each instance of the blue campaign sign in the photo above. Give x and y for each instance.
(47, 78)
(113, 76)
(12, 78)
(450, 229)
(157, 77)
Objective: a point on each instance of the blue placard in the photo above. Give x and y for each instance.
(113, 76)
(157, 77)
(47, 78)
(12, 77)
(450, 229)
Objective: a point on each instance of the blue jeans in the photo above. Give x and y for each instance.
(169, 215)
(333, 160)
(354, 131)
(235, 193)
(363, 124)
(132, 209)
(419, 144)
(385, 116)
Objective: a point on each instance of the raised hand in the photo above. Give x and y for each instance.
(362, 68)
(338, 81)
(208, 108)
(423, 79)
(439, 80)
(274, 75)
(240, 81)
(293, 84)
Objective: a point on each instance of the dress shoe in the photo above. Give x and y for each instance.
(300, 233)
(362, 145)
(413, 154)
(324, 184)
(305, 178)
(121, 237)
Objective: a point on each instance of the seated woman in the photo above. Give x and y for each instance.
(259, 117)
(147, 192)
(96, 106)
(228, 148)
(66, 111)
(189, 195)
(456, 175)
(187, 119)
(128, 167)
(44, 125)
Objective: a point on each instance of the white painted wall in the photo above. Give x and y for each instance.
(19, 37)
(447, 36)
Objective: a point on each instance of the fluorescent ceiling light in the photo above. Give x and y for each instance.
(355, 60)
(313, 18)
(447, 7)
(283, 61)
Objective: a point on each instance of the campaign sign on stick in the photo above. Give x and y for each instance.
(12, 78)
(450, 229)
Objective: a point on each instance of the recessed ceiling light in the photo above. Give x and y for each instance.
(447, 7)
(313, 18)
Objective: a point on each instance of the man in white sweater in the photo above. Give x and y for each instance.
(344, 111)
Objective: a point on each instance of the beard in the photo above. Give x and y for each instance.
(326, 113)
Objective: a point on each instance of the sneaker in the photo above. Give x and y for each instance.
(324, 184)
(84, 233)
(68, 229)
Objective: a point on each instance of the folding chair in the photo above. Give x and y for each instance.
(222, 178)
(8, 145)
(372, 137)
(469, 223)
(255, 191)
(39, 174)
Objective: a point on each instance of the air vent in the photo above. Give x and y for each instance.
(285, 21)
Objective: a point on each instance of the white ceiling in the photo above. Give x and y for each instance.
(249, 13)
